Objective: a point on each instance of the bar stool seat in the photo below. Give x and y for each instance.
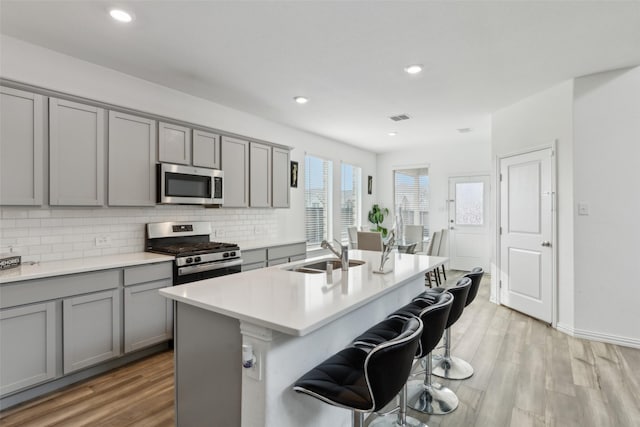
(357, 377)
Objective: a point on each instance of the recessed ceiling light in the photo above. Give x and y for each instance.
(120, 15)
(413, 69)
(301, 99)
(392, 133)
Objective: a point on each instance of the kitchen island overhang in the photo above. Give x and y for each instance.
(290, 321)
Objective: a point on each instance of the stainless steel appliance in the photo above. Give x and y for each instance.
(197, 258)
(188, 185)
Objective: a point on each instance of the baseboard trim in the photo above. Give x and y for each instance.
(597, 336)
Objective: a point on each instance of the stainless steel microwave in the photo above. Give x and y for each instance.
(188, 185)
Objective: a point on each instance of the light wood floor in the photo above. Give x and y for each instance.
(526, 375)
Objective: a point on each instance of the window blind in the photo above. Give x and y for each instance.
(411, 197)
(317, 197)
(350, 190)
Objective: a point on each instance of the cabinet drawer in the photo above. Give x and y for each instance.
(30, 291)
(254, 255)
(148, 273)
(287, 250)
(254, 266)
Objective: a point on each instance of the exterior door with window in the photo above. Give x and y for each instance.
(526, 230)
(469, 237)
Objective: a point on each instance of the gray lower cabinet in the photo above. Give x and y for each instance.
(22, 139)
(273, 255)
(91, 329)
(281, 178)
(27, 346)
(76, 154)
(206, 149)
(235, 164)
(132, 159)
(260, 175)
(174, 143)
(148, 316)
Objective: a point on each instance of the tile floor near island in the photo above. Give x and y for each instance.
(526, 374)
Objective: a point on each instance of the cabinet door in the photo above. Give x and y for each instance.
(206, 149)
(91, 329)
(260, 176)
(280, 178)
(21, 147)
(132, 154)
(174, 144)
(148, 316)
(27, 346)
(235, 164)
(76, 154)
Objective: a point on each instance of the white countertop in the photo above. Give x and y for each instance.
(79, 265)
(298, 303)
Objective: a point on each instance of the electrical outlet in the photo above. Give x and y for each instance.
(583, 208)
(102, 241)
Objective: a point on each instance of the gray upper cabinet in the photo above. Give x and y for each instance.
(235, 164)
(260, 175)
(206, 149)
(21, 147)
(280, 198)
(174, 144)
(132, 154)
(76, 154)
(28, 346)
(91, 329)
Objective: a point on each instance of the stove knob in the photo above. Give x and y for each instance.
(197, 259)
(225, 255)
(233, 254)
(189, 260)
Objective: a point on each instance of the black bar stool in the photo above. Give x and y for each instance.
(448, 366)
(362, 377)
(434, 315)
(427, 396)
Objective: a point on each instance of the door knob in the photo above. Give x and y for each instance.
(546, 243)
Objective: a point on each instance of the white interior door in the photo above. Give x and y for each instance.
(526, 231)
(469, 237)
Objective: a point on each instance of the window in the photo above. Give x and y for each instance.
(317, 199)
(349, 199)
(411, 197)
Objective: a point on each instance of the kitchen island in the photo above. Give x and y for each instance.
(287, 321)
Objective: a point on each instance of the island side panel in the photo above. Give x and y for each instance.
(271, 399)
(208, 377)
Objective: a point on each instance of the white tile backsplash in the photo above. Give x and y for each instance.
(47, 234)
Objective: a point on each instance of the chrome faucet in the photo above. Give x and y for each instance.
(343, 255)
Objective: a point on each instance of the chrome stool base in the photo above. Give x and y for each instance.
(392, 421)
(434, 399)
(451, 368)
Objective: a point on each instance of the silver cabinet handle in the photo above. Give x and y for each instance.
(546, 243)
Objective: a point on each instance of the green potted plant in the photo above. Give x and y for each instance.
(376, 217)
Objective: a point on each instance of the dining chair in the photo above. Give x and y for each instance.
(443, 248)
(370, 241)
(353, 237)
(433, 250)
(414, 234)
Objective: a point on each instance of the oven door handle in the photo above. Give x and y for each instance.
(190, 269)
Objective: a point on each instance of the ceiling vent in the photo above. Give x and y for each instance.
(399, 117)
(464, 130)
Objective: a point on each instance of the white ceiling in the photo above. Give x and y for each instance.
(347, 57)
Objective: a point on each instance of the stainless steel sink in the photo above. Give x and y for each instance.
(318, 267)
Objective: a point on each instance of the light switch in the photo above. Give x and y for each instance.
(583, 209)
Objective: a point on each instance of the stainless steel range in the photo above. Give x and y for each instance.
(197, 258)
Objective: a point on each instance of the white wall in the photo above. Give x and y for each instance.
(27, 63)
(471, 157)
(534, 122)
(607, 248)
